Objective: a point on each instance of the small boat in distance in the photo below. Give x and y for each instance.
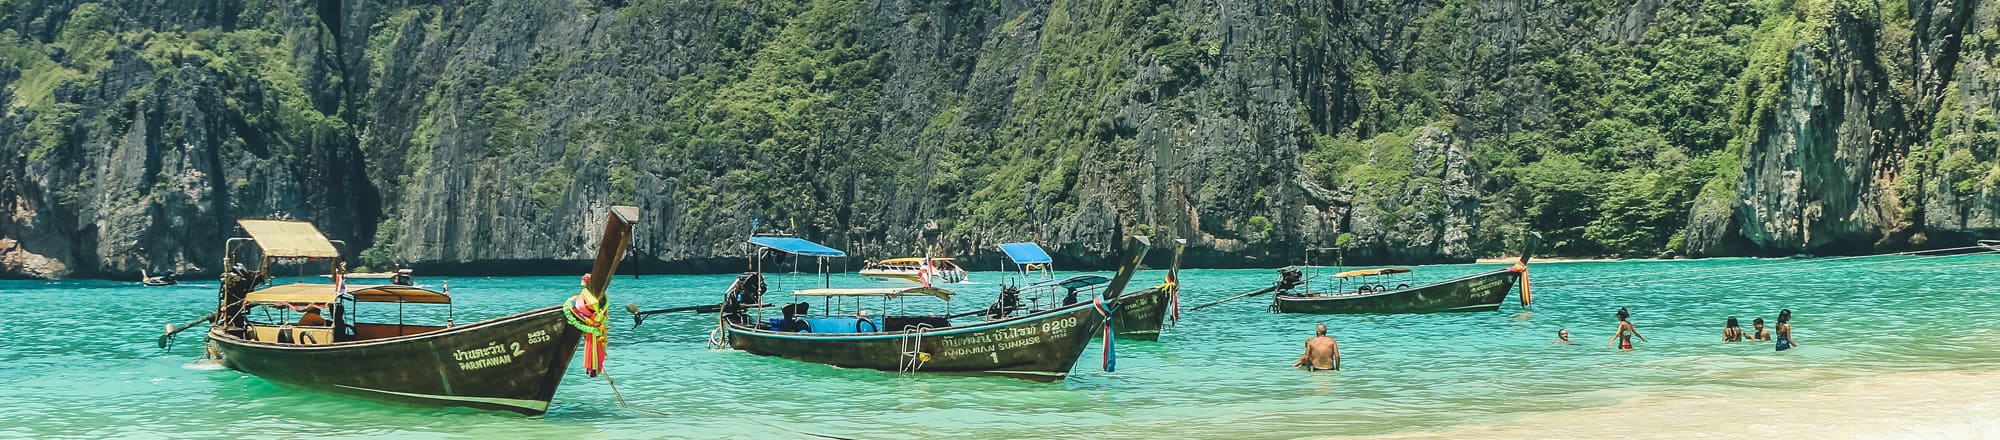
(310, 336)
(1035, 344)
(914, 270)
(1384, 291)
(157, 281)
(402, 276)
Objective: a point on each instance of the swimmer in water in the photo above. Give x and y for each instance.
(1625, 331)
(1562, 337)
(1785, 330)
(1731, 332)
(1758, 332)
(1322, 353)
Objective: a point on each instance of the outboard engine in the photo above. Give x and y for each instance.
(1010, 300)
(1288, 278)
(748, 290)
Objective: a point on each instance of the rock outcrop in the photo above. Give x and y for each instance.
(479, 136)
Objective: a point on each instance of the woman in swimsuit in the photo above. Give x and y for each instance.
(1760, 334)
(1785, 330)
(1625, 331)
(1732, 332)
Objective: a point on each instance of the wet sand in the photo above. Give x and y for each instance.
(1952, 404)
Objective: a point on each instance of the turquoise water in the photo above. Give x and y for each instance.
(79, 360)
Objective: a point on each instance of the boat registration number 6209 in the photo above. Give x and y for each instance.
(1056, 325)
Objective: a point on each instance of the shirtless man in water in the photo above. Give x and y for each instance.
(1322, 351)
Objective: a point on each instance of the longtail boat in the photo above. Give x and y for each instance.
(1377, 291)
(308, 335)
(1039, 345)
(1138, 315)
(1142, 315)
(915, 270)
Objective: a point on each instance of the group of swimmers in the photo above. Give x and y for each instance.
(1731, 332)
(1323, 352)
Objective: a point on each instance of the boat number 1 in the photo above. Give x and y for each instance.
(996, 356)
(539, 336)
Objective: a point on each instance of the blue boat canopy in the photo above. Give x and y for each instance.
(1073, 283)
(798, 246)
(1026, 253)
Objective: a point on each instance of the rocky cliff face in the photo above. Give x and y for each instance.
(480, 136)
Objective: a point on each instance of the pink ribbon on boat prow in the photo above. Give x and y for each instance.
(1110, 354)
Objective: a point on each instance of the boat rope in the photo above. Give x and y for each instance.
(1947, 266)
(716, 340)
(1569, 282)
(1110, 353)
(1655, 280)
(586, 313)
(621, 398)
(913, 357)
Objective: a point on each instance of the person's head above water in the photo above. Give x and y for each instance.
(1623, 314)
(1562, 334)
(1731, 323)
(1322, 329)
(1784, 316)
(1757, 322)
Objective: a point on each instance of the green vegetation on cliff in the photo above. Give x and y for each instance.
(1436, 130)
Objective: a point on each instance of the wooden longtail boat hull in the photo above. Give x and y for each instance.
(1141, 315)
(1476, 293)
(1040, 347)
(510, 364)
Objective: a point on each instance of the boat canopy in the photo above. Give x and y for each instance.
(798, 246)
(1075, 282)
(889, 292)
(302, 293)
(1025, 253)
(912, 260)
(289, 239)
(1372, 272)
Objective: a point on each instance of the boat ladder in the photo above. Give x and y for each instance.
(913, 356)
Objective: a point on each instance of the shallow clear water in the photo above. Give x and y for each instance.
(79, 360)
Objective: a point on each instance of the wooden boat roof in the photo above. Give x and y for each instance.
(886, 292)
(303, 293)
(1372, 272)
(289, 238)
(911, 260)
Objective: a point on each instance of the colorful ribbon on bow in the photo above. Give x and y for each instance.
(1526, 293)
(587, 314)
(1110, 353)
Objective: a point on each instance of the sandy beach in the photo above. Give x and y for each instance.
(1949, 404)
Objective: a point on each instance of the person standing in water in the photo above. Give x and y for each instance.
(1760, 334)
(1625, 331)
(1785, 330)
(1322, 353)
(1731, 332)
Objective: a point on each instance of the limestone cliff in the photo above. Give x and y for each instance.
(475, 136)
